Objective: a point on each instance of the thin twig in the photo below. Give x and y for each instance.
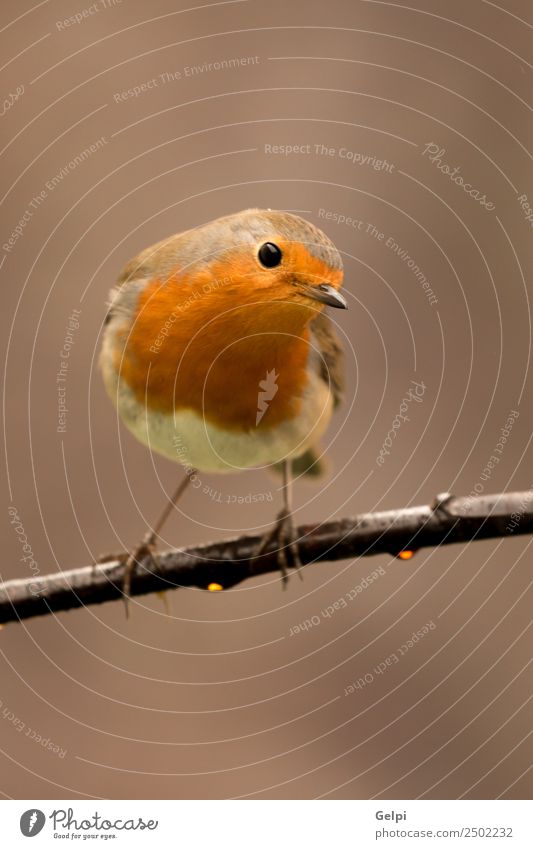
(448, 520)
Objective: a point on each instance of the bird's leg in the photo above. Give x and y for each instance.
(283, 533)
(147, 545)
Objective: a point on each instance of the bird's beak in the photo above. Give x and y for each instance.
(326, 294)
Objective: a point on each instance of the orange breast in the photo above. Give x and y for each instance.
(193, 347)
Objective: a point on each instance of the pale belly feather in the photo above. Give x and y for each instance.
(186, 437)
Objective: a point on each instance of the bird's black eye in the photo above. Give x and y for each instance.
(269, 255)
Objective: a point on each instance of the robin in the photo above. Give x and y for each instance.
(218, 354)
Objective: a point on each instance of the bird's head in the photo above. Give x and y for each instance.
(268, 259)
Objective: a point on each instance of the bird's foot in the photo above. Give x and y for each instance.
(283, 535)
(110, 557)
(129, 561)
(144, 551)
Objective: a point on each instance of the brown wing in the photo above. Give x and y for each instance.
(330, 360)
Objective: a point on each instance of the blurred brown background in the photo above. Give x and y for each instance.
(216, 699)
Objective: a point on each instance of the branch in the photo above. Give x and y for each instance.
(449, 519)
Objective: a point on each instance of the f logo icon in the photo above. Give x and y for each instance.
(32, 822)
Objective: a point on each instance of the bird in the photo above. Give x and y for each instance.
(218, 355)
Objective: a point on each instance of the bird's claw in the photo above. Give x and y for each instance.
(111, 557)
(145, 550)
(283, 535)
